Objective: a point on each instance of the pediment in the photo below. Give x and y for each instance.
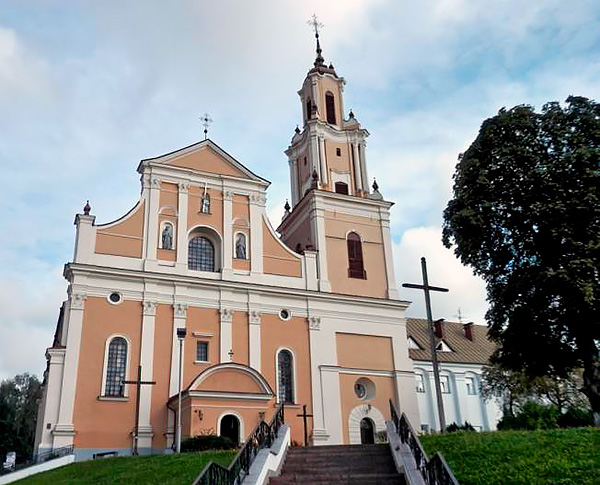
(205, 157)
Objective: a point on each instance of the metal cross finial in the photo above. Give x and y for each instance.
(206, 121)
(315, 24)
(231, 353)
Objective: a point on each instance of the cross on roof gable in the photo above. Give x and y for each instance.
(204, 156)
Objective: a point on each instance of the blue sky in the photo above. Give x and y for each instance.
(87, 89)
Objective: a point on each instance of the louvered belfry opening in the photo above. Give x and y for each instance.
(355, 257)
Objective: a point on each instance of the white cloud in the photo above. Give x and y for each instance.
(467, 291)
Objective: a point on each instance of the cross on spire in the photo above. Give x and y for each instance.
(316, 25)
(206, 121)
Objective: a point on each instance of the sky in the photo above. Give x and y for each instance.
(88, 89)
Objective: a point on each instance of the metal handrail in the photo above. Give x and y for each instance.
(261, 437)
(40, 458)
(434, 470)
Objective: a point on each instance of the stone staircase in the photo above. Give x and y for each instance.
(355, 464)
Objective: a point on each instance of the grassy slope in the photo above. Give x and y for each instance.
(561, 456)
(151, 469)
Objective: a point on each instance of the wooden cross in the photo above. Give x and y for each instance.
(138, 384)
(304, 415)
(436, 371)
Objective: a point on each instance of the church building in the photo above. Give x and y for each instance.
(307, 313)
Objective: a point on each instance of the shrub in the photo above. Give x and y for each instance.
(532, 416)
(207, 442)
(451, 428)
(575, 418)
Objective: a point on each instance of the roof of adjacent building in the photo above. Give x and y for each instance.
(464, 351)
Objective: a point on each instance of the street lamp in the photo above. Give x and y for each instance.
(181, 332)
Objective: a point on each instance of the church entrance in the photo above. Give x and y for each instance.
(230, 428)
(367, 432)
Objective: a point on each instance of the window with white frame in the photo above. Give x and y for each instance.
(201, 351)
(445, 384)
(420, 383)
(471, 384)
(116, 368)
(285, 376)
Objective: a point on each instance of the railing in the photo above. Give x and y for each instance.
(435, 471)
(40, 458)
(261, 437)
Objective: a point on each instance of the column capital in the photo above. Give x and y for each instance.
(184, 186)
(314, 323)
(227, 194)
(149, 307)
(77, 300)
(258, 199)
(226, 314)
(154, 183)
(254, 317)
(180, 309)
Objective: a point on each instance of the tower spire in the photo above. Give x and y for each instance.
(316, 25)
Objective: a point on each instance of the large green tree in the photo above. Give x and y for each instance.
(18, 411)
(525, 215)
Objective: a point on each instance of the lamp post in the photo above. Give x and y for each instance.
(181, 333)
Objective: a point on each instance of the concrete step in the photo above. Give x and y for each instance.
(358, 449)
(326, 479)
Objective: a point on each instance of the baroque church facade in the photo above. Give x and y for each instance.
(304, 314)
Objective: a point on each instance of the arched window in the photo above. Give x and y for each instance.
(285, 376)
(201, 254)
(341, 188)
(330, 108)
(116, 368)
(308, 109)
(355, 257)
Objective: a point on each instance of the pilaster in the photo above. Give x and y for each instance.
(254, 323)
(152, 220)
(295, 189)
(145, 431)
(227, 233)
(179, 321)
(363, 166)
(56, 360)
(226, 345)
(64, 430)
(182, 229)
(322, 160)
(85, 238)
(386, 236)
(257, 202)
(357, 171)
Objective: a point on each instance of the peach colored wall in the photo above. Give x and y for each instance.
(241, 207)
(213, 408)
(169, 195)
(301, 234)
(384, 391)
(100, 423)
(195, 217)
(276, 260)
(230, 380)
(293, 335)
(328, 84)
(240, 338)
(336, 227)
(303, 169)
(166, 254)
(124, 238)
(242, 264)
(200, 320)
(364, 351)
(163, 334)
(207, 160)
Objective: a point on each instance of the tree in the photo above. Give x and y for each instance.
(525, 215)
(18, 411)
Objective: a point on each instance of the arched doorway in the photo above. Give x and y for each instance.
(230, 428)
(367, 432)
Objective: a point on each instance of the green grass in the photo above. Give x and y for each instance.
(150, 469)
(561, 456)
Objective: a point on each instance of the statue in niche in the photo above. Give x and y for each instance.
(167, 237)
(205, 203)
(240, 246)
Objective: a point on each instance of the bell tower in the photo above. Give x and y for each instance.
(333, 210)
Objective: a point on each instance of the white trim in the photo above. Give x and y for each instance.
(115, 302)
(357, 415)
(246, 245)
(210, 233)
(241, 435)
(105, 364)
(208, 345)
(295, 380)
(289, 315)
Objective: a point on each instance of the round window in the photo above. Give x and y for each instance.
(115, 298)
(364, 388)
(284, 314)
